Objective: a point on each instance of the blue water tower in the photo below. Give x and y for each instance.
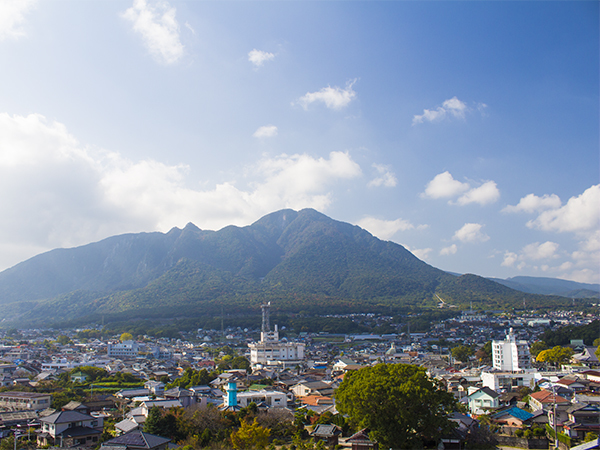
(232, 394)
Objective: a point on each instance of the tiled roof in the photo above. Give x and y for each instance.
(137, 439)
(66, 416)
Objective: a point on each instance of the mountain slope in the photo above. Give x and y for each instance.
(302, 260)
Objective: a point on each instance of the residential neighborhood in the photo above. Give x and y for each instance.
(507, 396)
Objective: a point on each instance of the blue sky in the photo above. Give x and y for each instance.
(466, 131)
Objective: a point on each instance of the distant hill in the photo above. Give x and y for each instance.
(302, 261)
(551, 286)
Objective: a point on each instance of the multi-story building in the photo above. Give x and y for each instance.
(511, 354)
(15, 401)
(270, 351)
(123, 350)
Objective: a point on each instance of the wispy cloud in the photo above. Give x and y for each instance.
(450, 250)
(259, 57)
(384, 229)
(159, 29)
(451, 108)
(332, 97)
(385, 177)
(444, 185)
(265, 131)
(12, 17)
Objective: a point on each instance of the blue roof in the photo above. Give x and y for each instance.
(519, 413)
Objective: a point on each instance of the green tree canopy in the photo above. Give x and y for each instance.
(556, 355)
(399, 403)
(250, 436)
(462, 353)
(537, 347)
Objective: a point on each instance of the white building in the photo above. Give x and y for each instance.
(269, 351)
(123, 350)
(510, 354)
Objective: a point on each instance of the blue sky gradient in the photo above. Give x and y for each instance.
(466, 131)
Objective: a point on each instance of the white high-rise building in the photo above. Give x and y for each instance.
(510, 354)
(270, 351)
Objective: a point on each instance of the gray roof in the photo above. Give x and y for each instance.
(136, 439)
(66, 416)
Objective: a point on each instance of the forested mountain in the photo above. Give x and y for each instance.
(302, 261)
(551, 286)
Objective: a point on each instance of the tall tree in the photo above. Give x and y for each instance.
(250, 436)
(399, 403)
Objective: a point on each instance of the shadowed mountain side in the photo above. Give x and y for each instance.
(302, 260)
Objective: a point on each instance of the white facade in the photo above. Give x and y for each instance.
(270, 351)
(510, 354)
(273, 399)
(507, 381)
(127, 349)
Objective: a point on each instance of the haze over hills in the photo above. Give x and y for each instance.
(303, 261)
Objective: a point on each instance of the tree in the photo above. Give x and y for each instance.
(250, 435)
(399, 403)
(484, 353)
(555, 355)
(462, 353)
(537, 347)
(126, 337)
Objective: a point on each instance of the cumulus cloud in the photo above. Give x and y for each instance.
(332, 97)
(12, 17)
(485, 194)
(510, 259)
(471, 232)
(258, 57)
(384, 229)
(452, 107)
(580, 214)
(266, 131)
(537, 251)
(450, 250)
(65, 194)
(385, 177)
(444, 185)
(159, 29)
(532, 203)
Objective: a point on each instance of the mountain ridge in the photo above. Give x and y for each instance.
(304, 260)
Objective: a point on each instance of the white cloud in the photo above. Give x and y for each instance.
(532, 203)
(258, 57)
(509, 259)
(385, 178)
(64, 194)
(421, 253)
(452, 107)
(450, 250)
(580, 214)
(444, 185)
(537, 251)
(384, 229)
(266, 131)
(485, 194)
(12, 17)
(332, 97)
(159, 29)
(471, 232)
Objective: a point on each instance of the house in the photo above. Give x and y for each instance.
(582, 418)
(482, 400)
(136, 440)
(512, 417)
(70, 429)
(545, 399)
(305, 388)
(329, 434)
(361, 441)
